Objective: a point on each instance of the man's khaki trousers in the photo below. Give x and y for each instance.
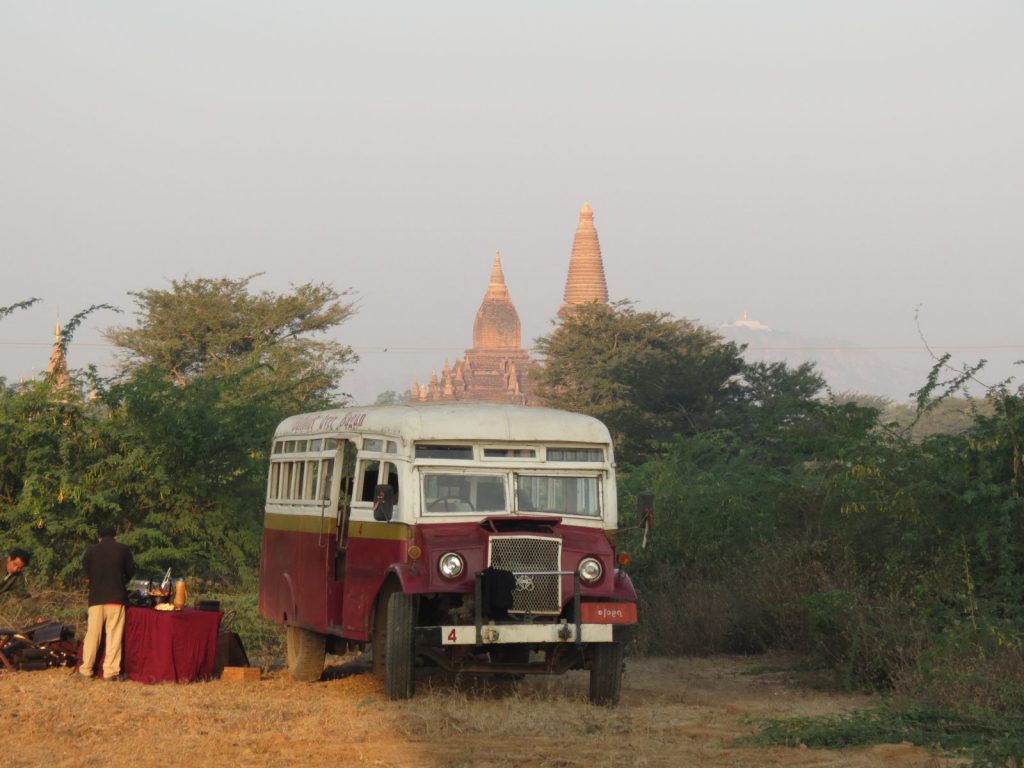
(111, 618)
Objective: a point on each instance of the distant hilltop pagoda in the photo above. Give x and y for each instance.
(497, 369)
(746, 322)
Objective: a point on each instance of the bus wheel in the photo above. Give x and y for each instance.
(306, 653)
(400, 648)
(378, 640)
(605, 673)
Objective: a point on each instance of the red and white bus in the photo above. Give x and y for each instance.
(477, 538)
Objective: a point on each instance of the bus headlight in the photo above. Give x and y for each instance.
(590, 569)
(451, 565)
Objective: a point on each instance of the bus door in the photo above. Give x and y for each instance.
(344, 463)
(373, 545)
(347, 458)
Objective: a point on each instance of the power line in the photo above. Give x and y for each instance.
(389, 349)
(894, 348)
(49, 344)
(367, 349)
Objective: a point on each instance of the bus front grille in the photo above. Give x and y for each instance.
(525, 556)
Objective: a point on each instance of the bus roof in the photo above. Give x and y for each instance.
(453, 421)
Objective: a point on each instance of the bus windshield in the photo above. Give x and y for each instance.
(558, 495)
(445, 493)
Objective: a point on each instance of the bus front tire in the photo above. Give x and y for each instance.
(378, 640)
(307, 651)
(605, 673)
(400, 648)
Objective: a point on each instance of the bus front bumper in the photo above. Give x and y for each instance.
(501, 634)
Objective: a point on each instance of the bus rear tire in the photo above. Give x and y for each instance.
(307, 651)
(605, 673)
(400, 647)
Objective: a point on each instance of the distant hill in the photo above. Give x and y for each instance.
(846, 367)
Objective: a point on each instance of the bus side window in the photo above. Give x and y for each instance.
(311, 489)
(348, 471)
(327, 478)
(275, 472)
(344, 470)
(368, 471)
(286, 480)
(390, 477)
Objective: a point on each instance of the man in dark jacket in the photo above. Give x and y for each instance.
(16, 604)
(108, 565)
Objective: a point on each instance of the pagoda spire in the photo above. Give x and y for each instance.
(496, 369)
(57, 370)
(497, 323)
(496, 289)
(585, 283)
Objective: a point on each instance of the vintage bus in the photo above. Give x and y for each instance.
(477, 538)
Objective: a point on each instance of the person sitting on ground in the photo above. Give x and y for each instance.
(17, 606)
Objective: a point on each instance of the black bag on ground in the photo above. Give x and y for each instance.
(38, 646)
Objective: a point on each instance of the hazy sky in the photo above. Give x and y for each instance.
(825, 166)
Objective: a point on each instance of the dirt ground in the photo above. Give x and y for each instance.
(678, 712)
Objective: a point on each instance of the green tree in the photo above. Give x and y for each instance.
(5, 311)
(646, 375)
(210, 369)
(391, 397)
(174, 452)
(205, 327)
(190, 470)
(53, 442)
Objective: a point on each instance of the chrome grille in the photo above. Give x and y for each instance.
(524, 556)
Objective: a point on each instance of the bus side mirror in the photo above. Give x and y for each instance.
(383, 503)
(645, 510)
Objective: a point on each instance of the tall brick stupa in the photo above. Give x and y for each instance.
(585, 283)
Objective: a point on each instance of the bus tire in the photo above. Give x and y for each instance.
(378, 638)
(306, 653)
(605, 673)
(400, 648)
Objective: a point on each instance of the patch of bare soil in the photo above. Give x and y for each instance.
(673, 713)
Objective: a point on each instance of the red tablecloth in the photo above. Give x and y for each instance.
(170, 646)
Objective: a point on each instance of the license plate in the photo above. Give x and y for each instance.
(608, 613)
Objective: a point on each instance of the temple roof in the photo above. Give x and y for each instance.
(585, 283)
(497, 323)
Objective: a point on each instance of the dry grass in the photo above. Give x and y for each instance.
(68, 606)
(674, 712)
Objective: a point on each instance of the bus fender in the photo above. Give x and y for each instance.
(405, 575)
(398, 578)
